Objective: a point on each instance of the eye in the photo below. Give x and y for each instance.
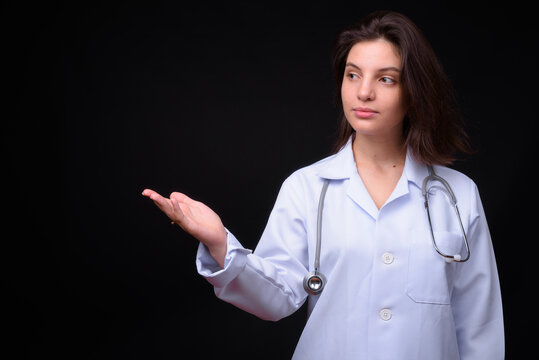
(352, 76)
(387, 80)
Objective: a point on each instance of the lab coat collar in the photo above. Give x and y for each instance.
(340, 165)
(343, 166)
(415, 170)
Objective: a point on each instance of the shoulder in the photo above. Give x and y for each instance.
(306, 182)
(338, 166)
(310, 173)
(454, 177)
(463, 187)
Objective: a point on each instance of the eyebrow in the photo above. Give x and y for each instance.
(384, 69)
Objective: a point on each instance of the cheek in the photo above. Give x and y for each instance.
(394, 101)
(345, 93)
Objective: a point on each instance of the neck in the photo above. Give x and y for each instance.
(380, 152)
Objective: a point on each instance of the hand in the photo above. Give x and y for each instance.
(195, 218)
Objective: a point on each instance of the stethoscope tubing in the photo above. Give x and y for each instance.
(453, 199)
(314, 281)
(319, 224)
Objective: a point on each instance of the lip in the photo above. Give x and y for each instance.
(364, 113)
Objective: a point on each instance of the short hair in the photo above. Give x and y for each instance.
(433, 127)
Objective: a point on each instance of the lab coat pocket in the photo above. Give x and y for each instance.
(430, 277)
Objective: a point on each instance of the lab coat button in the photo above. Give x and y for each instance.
(387, 258)
(385, 314)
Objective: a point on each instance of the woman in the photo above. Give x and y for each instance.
(388, 293)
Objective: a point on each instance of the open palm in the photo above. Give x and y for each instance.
(195, 218)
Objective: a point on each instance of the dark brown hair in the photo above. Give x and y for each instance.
(433, 124)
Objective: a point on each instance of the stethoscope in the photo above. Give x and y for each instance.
(314, 282)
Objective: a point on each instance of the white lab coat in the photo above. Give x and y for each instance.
(388, 295)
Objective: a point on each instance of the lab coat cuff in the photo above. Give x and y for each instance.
(235, 260)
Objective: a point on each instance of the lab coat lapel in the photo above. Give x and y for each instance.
(413, 173)
(401, 189)
(359, 194)
(342, 166)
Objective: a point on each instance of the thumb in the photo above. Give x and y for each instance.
(178, 216)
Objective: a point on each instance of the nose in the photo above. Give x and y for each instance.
(365, 91)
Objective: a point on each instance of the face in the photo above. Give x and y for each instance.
(371, 91)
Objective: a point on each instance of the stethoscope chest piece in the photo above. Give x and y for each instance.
(314, 282)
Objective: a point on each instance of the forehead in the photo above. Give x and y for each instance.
(374, 53)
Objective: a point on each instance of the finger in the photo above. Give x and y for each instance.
(148, 192)
(176, 206)
(162, 202)
(182, 214)
(178, 215)
(181, 198)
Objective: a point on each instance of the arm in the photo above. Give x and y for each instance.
(477, 304)
(268, 283)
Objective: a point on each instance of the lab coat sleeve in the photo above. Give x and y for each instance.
(269, 282)
(476, 297)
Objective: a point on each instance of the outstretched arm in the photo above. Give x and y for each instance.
(195, 218)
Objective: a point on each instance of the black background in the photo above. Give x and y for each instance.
(221, 101)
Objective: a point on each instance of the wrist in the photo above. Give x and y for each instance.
(218, 251)
(219, 255)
